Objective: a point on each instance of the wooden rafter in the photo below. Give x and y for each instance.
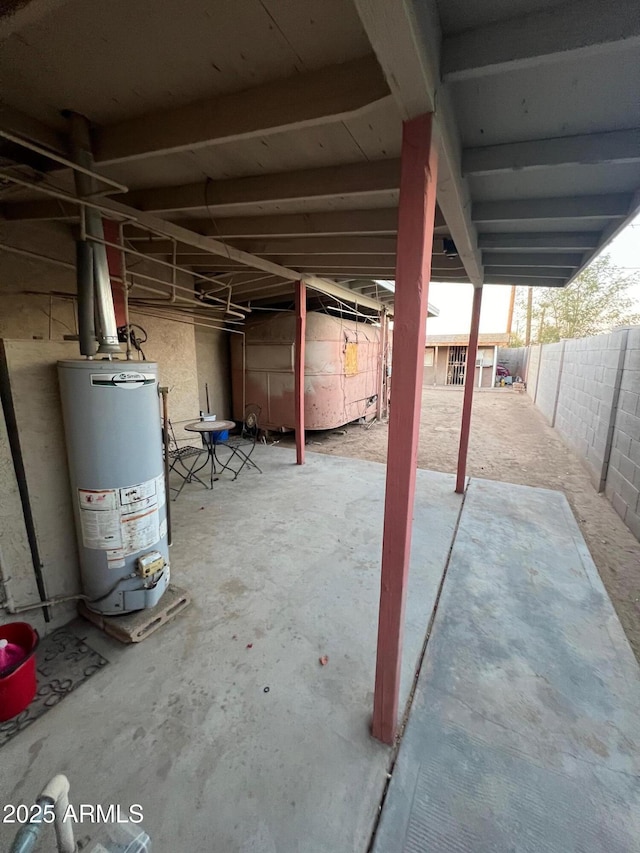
(327, 182)
(316, 97)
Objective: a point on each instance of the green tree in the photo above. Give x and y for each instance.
(596, 302)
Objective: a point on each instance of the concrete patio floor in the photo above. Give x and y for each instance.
(525, 710)
(288, 562)
(524, 732)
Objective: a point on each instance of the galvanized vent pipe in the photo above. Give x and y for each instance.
(86, 187)
(86, 315)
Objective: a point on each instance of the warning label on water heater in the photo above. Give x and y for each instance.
(121, 521)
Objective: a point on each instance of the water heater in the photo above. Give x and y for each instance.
(114, 445)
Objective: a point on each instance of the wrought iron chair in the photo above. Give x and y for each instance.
(178, 454)
(243, 445)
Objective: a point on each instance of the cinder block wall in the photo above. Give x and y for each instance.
(550, 369)
(514, 359)
(596, 383)
(623, 476)
(588, 397)
(532, 370)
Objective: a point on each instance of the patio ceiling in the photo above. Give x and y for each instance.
(263, 137)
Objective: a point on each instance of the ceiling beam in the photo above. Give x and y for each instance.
(584, 26)
(618, 146)
(360, 222)
(377, 221)
(333, 223)
(344, 180)
(290, 246)
(377, 261)
(405, 36)
(608, 206)
(321, 246)
(346, 261)
(19, 123)
(530, 272)
(332, 288)
(216, 247)
(532, 259)
(534, 281)
(246, 291)
(555, 240)
(386, 274)
(316, 97)
(147, 221)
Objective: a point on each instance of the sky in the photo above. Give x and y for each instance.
(454, 300)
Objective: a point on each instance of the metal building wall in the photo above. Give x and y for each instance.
(342, 365)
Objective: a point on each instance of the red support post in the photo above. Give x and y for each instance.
(382, 366)
(301, 324)
(469, 382)
(416, 216)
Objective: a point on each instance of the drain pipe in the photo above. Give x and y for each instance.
(164, 391)
(55, 793)
(92, 223)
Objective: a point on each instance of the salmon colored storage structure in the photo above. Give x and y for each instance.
(344, 362)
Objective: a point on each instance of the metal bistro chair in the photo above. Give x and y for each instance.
(178, 454)
(243, 445)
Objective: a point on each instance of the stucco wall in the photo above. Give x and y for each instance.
(437, 374)
(173, 346)
(23, 317)
(16, 564)
(50, 316)
(30, 381)
(212, 354)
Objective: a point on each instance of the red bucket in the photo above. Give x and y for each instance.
(18, 683)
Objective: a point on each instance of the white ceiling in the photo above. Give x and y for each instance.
(122, 59)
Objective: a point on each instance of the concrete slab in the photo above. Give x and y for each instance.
(524, 733)
(288, 563)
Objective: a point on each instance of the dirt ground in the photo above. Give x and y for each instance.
(511, 441)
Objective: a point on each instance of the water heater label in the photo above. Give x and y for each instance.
(128, 379)
(144, 492)
(121, 521)
(115, 559)
(140, 530)
(160, 490)
(100, 529)
(98, 499)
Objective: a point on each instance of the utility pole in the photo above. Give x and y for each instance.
(527, 339)
(512, 301)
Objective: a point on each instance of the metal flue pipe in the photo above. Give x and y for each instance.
(84, 278)
(86, 186)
